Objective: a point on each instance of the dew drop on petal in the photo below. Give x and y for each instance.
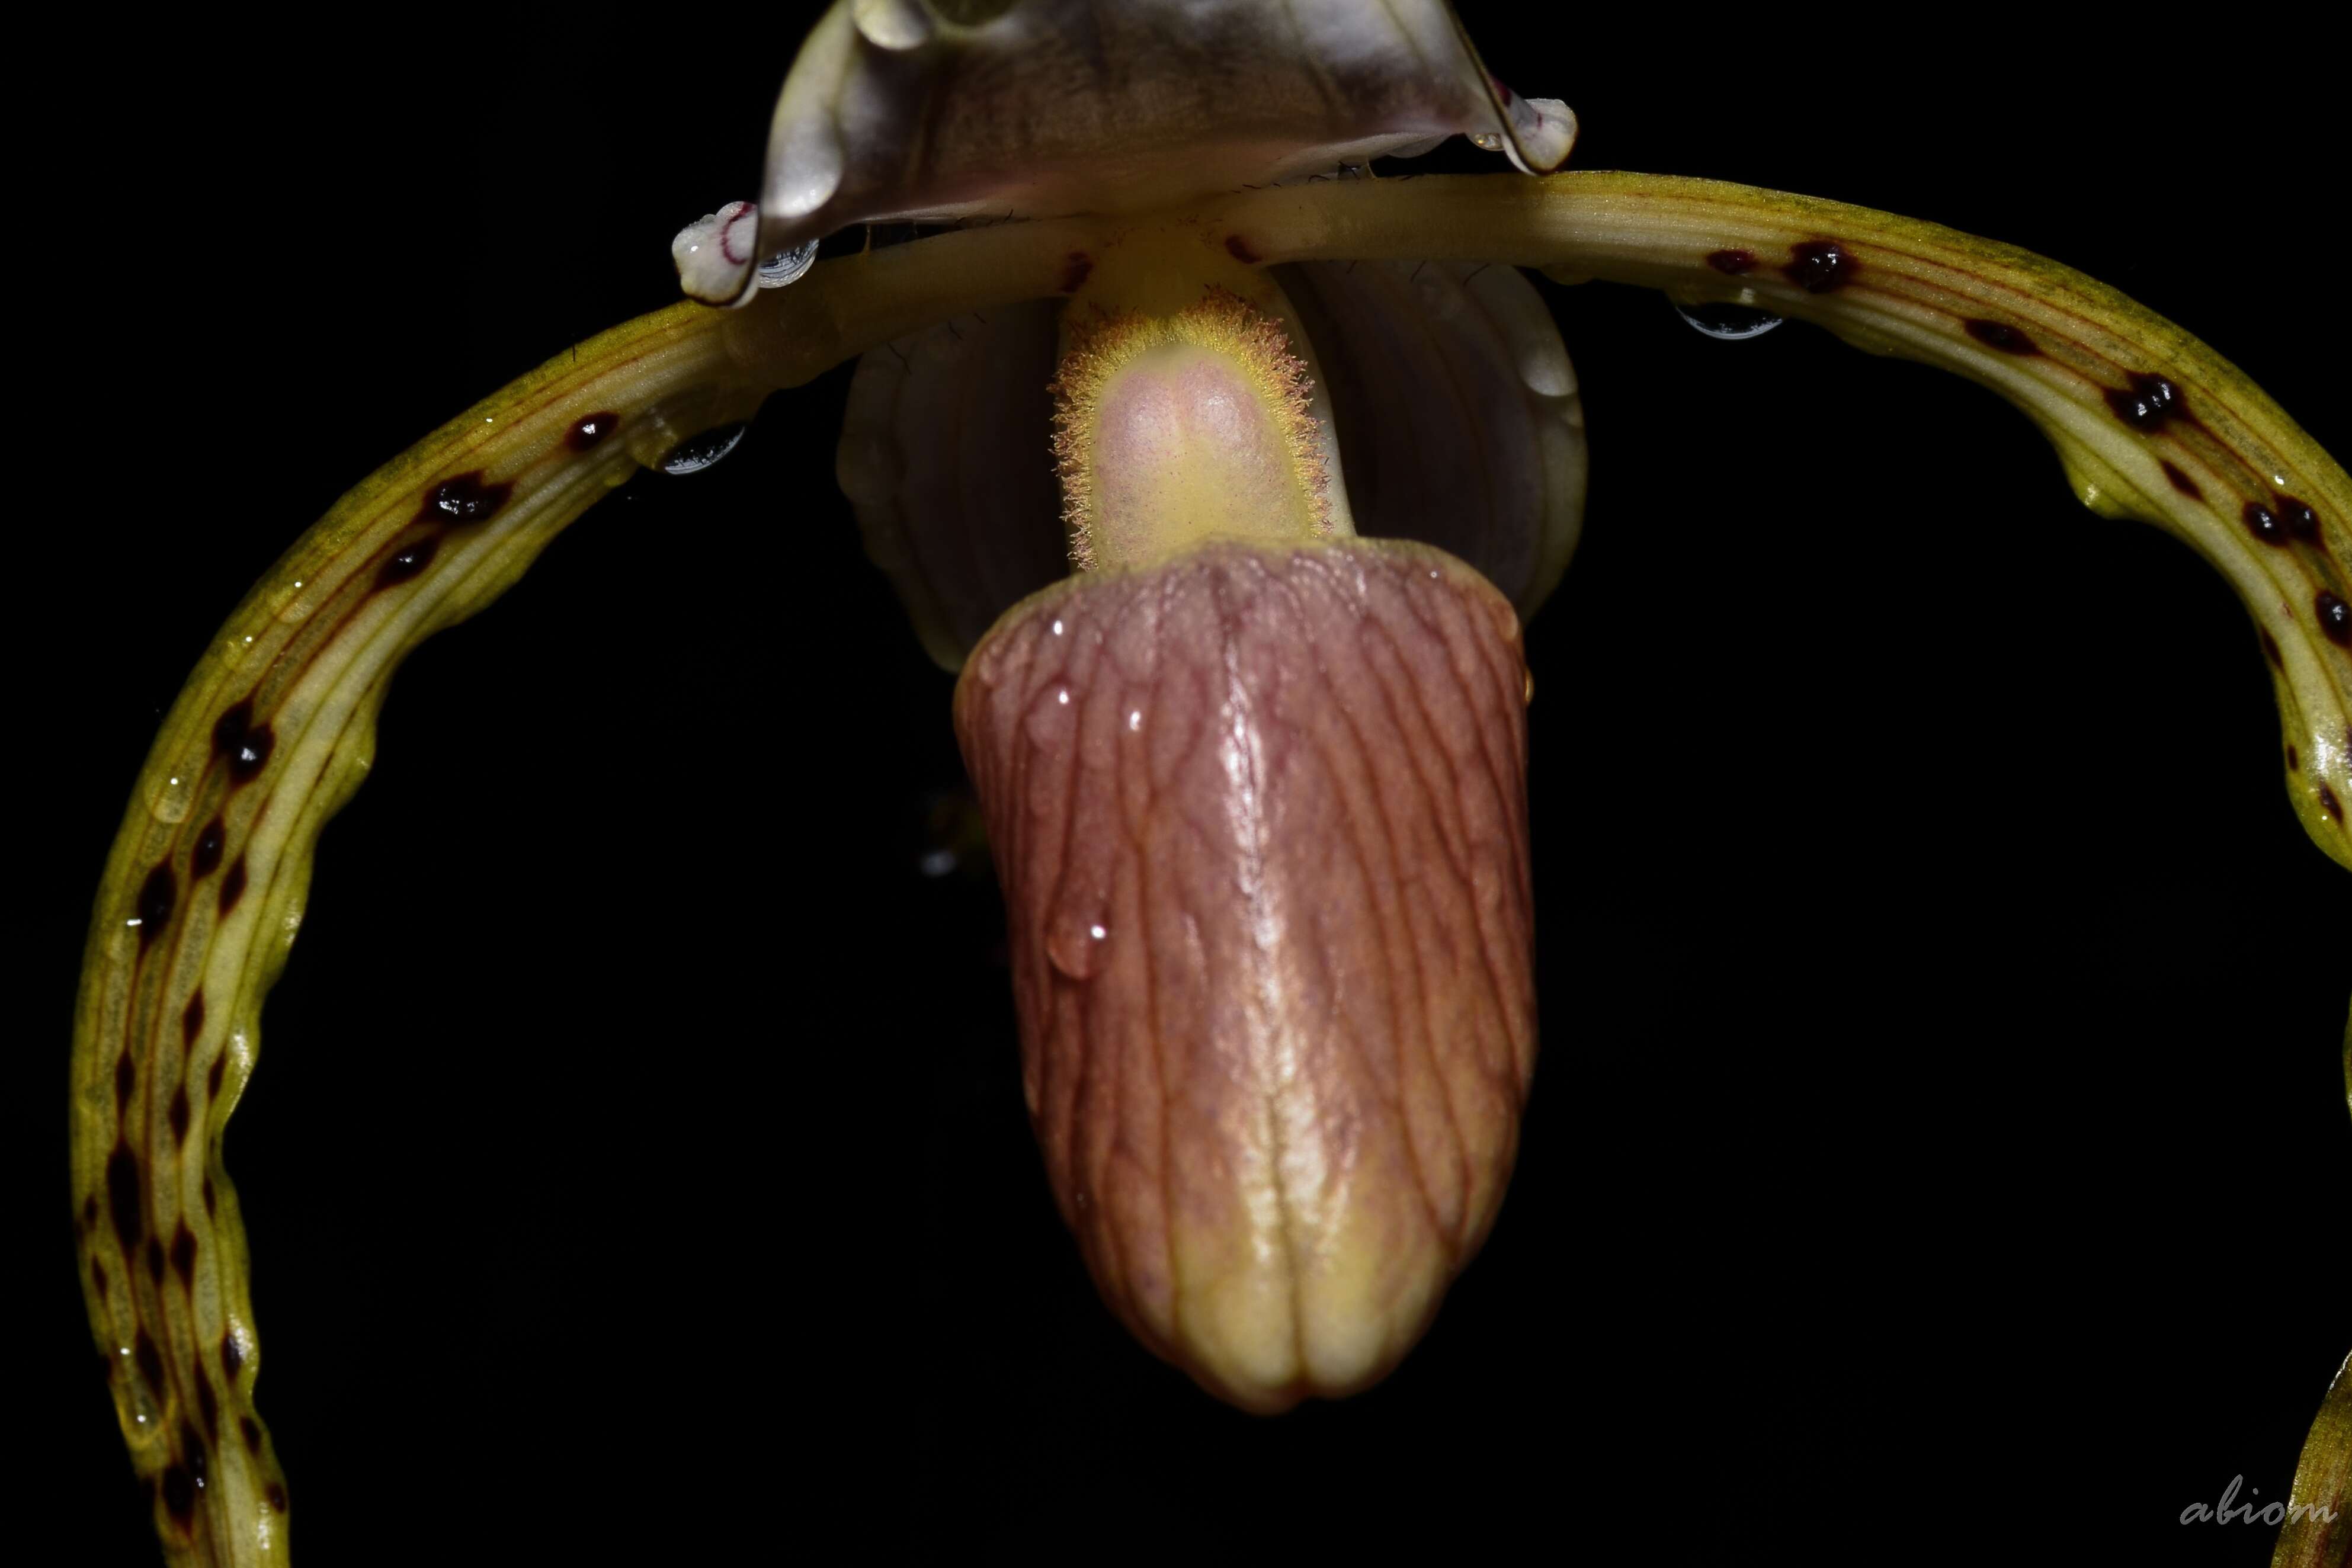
(704, 451)
(1730, 323)
(168, 802)
(1075, 943)
(787, 266)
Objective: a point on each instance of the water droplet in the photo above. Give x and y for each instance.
(788, 266)
(142, 1408)
(1487, 141)
(697, 452)
(1731, 323)
(169, 800)
(1076, 944)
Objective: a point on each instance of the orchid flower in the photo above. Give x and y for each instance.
(1146, 272)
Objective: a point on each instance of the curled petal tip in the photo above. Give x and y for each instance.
(1542, 134)
(717, 255)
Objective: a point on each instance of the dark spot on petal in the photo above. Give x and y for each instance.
(209, 844)
(1076, 267)
(2329, 804)
(252, 1430)
(230, 729)
(464, 499)
(208, 1195)
(179, 1113)
(192, 1020)
(156, 895)
(2300, 519)
(184, 1254)
(591, 432)
(126, 1079)
(406, 562)
(180, 1492)
(2148, 402)
(1734, 261)
(150, 1361)
(122, 1196)
(2294, 760)
(1240, 251)
(278, 1496)
(232, 1358)
(213, 1078)
(2270, 647)
(1817, 265)
(245, 764)
(245, 743)
(155, 1260)
(2264, 524)
(2183, 481)
(2335, 618)
(207, 1406)
(2000, 335)
(90, 1212)
(98, 1278)
(232, 885)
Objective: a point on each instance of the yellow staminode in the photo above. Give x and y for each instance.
(1169, 430)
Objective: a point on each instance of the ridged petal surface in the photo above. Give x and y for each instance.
(1260, 819)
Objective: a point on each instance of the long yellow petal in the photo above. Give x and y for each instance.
(2149, 422)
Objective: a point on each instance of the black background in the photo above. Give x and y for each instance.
(1940, 1135)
